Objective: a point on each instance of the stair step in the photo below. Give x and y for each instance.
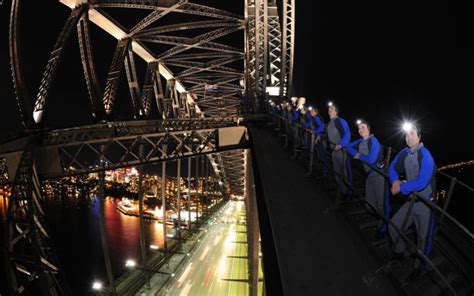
(438, 261)
(379, 242)
(368, 224)
(433, 290)
(357, 212)
(451, 277)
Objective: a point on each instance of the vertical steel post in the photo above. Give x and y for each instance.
(189, 193)
(163, 203)
(141, 193)
(178, 201)
(105, 246)
(311, 154)
(448, 198)
(197, 192)
(253, 231)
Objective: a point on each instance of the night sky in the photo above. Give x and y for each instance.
(381, 61)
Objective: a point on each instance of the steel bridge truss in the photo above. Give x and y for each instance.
(44, 155)
(269, 47)
(194, 77)
(108, 146)
(201, 62)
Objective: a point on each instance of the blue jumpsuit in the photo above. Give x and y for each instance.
(419, 169)
(376, 187)
(338, 133)
(317, 127)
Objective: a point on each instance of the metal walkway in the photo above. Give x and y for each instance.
(318, 253)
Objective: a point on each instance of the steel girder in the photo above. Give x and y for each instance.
(30, 257)
(257, 44)
(274, 47)
(287, 48)
(261, 45)
(201, 42)
(88, 65)
(79, 150)
(133, 84)
(234, 165)
(269, 47)
(52, 65)
(19, 84)
(152, 87)
(186, 8)
(131, 42)
(154, 16)
(250, 48)
(208, 55)
(185, 26)
(262, 49)
(114, 75)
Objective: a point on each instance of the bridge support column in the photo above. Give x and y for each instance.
(197, 189)
(178, 200)
(163, 204)
(105, 246)
(253, 228)
(201, 196)
(189, 193)
(141, 193)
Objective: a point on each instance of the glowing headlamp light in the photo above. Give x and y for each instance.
(407, 126)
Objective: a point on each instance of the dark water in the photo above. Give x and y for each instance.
(74, 227)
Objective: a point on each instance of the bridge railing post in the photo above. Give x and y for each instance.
(295, 138)
(311, 154)
(452, 185)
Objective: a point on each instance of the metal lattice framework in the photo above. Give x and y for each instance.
(30, 255)
(287, 47)
(269, 47)
(194, 77)
(274, 48)
(207, 63)
(233, 163)
(108, 146)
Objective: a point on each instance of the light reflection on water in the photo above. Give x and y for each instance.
(74, 226)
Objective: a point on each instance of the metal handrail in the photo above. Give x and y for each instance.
(382, 173)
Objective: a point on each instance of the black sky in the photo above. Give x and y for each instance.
(384, 60)
(379, 60)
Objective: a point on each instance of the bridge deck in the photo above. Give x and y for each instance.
(317, 253)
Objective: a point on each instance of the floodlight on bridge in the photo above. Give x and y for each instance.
(97, 286)
(130, 263)
(273, 90)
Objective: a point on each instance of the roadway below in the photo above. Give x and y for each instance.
(218, 266)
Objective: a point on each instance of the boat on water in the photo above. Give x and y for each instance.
(130, 207)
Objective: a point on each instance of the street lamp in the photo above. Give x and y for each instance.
(97, 286)
(130, 263)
